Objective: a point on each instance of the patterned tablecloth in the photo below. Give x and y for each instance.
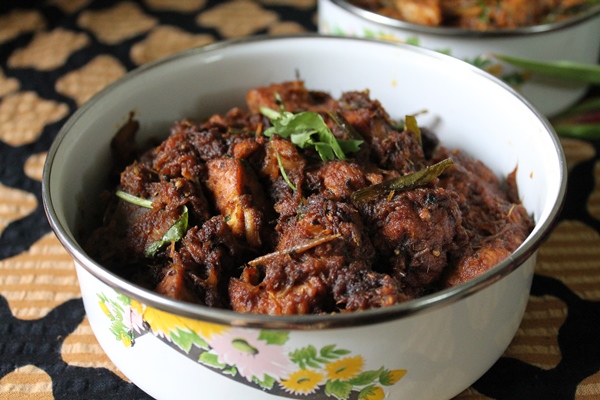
(55, 54)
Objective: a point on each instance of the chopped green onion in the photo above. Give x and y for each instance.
(405, 182)
(138, 201)
(589, 73)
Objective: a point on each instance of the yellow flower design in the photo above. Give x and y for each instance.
(391, 377)
(125, 339)
(303, 381)
(388, 37)
(374, 393)
(345, 368)
(137, 306)
(104, 309)
(163, 323)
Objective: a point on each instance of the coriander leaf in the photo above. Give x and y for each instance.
(270, 113)
(326, 152)
(350, 146)
(173, 234)
(308, 129)
(302, 139)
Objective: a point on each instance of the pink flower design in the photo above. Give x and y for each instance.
(133, 316)
(252, 357)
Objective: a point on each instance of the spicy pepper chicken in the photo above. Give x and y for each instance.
(476, 14)
(303, 204)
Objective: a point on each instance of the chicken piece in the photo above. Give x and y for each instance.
(322, 265)
(293, 95)
(294, 278)
(477, 263)
(414, 233)
(422, 12)
(466, 14)
(337, 180)
(176, 285)
(493, 14)
(515, 13)
(250, 294)
(286, 198)
(183, 152)
(484, 252)
(483, 204)
(358, 288)
(238, 196)
(495, 225)
(390, 149)
(207, 256)
(127, 232)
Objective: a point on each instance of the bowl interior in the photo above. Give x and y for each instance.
(467, 108)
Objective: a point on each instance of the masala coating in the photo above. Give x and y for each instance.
(273, 228)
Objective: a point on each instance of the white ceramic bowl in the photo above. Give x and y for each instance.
(576, 39)
(430, 348)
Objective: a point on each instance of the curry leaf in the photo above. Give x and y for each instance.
(174, 234)
(284, 174)
(138, 201)
(406, 182)
(413, 127)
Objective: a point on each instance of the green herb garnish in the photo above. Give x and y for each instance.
(308, 130)
(342, 123)
(174, 234)
(588, 73)
(405, 182)
(138, 201)
(284, 174)
(413, 127)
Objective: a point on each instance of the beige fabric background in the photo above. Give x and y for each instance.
(43, 277)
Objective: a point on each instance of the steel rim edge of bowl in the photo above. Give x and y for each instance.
(393, 23)
(297, 322)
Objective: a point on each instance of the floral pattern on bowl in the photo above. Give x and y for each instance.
(258, 358)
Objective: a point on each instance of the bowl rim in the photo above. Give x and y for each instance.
(423, 304)
(393, 23)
